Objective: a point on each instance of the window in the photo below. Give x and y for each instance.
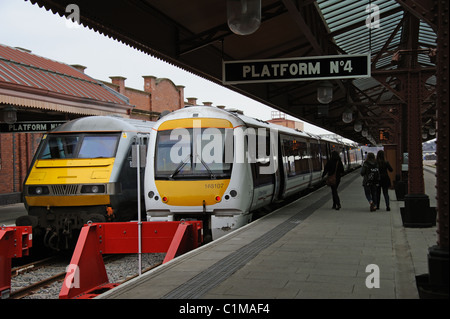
(59, 147)
(316, 160)
(98, 146)
(260, 157)
(192, 153)
(79, 146)
(295, 156)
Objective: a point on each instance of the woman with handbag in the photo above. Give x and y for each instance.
(385, 181)
(334, 168)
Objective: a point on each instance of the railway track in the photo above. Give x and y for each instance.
(43, 279)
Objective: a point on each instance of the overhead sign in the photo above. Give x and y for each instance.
(297, 69)
(30, 127)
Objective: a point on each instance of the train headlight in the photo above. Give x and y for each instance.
(165, 199)
(218, 198)
(38, 190)
(93, 189)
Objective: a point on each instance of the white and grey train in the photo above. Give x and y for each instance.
(219, 166)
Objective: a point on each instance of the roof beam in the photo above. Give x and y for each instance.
(303, 26)
(421, 9)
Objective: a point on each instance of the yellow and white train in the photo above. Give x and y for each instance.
(219, 166)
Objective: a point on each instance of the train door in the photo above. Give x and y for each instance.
(315, 160)
(263, 174)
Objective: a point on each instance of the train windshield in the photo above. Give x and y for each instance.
(58, 146)
(193, 154)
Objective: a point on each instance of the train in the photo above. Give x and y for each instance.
(220, 166)
(82, 172)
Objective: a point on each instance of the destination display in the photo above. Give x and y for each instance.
(30, 127)
(297, 69)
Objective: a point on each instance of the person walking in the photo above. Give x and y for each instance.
(371, 179)
(334, 167)
(385, 181)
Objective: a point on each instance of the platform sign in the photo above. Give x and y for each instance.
(30, 127)
(297, 69)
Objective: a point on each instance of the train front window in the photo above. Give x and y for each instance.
(192, 154)
(98, 146)
(59, 147)
(79, 146)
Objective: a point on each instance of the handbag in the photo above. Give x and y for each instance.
(331, 179)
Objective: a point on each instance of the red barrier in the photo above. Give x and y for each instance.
(15, 242)
(86, 275)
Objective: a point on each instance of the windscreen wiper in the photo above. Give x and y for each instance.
(211, 174)
(180, 167)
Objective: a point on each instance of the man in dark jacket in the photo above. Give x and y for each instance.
(371, 180)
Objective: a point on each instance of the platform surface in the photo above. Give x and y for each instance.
(303, 250)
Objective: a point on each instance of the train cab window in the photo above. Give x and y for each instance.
(59, 147)
(192, 154)
(98, 146)
(79, 146)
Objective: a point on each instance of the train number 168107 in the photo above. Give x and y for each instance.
(214, 186)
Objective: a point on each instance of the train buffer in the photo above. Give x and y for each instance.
(15, 242)
(86, 275)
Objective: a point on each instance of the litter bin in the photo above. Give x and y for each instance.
(401, 188)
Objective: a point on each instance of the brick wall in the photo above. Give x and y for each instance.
(159, 94)
(16, 153)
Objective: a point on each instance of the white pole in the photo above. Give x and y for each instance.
(138, 153)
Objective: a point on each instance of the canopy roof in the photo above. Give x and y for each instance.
(194, 35)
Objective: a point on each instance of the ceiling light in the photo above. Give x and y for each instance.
(244, 16)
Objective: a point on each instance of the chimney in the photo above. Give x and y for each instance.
(192, 101)
(23, 49)
(79, 67)
(120, 82)
(180, 89)
(149, 83)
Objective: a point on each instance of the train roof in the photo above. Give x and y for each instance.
(205, 111)
(105, 124)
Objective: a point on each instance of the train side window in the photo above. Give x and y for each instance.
(315, 157)
(261, 161)
(295, 156)
(323, 153)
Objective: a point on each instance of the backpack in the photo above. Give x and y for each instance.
(373, 178)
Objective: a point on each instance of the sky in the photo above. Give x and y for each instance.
(25, 25)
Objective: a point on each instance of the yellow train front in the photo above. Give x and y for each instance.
(81, 172)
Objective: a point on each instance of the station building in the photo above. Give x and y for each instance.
(34, 89)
